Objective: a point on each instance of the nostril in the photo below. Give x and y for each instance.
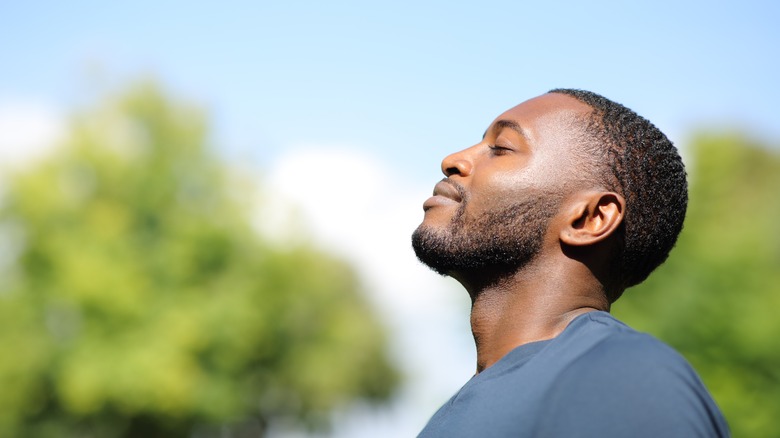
(449, 171)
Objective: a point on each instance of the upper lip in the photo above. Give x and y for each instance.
(447, 189)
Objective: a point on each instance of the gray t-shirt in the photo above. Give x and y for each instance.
(598, 378)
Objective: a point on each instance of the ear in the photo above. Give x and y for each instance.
(592, 217)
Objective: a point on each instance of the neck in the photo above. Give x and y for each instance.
(528, 306)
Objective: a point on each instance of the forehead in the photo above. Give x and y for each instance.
(547, 115)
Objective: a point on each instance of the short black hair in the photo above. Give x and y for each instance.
(645, 168)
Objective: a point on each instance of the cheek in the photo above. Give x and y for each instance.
(490, 198)
(506, 188)
(546, 174)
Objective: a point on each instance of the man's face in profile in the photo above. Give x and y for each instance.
(495, 205)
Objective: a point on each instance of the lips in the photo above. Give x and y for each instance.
(446, 189)
(444, 193)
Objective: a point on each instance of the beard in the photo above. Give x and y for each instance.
(501, 240)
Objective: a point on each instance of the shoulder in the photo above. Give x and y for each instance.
(623, 351)
(621, 363)
(599, 346)
(627, 381)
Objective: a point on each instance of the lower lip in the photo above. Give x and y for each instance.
(435, 201)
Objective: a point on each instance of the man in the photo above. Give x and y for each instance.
(568, 200)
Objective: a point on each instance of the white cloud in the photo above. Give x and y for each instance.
(367, 212)
(28, 130)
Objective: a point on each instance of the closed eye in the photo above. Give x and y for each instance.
(498, 150)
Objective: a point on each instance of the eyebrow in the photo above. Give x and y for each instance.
(503, 123)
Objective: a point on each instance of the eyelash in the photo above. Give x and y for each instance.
(498, 150)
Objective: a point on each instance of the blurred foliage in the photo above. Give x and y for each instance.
(136, 299)
(717, 297)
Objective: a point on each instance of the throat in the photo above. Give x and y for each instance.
(502, 320)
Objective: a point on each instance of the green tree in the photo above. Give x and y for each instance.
(716, 298)
(136, 299)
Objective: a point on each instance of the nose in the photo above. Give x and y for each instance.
(458, 163)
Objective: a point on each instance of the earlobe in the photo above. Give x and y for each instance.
(593, 217)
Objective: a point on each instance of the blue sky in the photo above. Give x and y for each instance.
(346, 109)
(407, 81)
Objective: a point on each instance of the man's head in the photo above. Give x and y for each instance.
(566, 169)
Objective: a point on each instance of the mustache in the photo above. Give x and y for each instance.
(459, 188)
